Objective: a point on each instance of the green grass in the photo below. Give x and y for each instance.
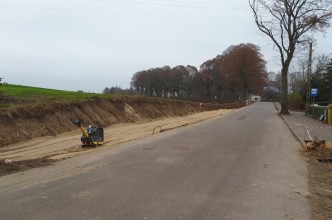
(36, 95)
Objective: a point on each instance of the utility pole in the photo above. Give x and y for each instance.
(309, 74)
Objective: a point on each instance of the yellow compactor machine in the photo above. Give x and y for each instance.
(91, 136)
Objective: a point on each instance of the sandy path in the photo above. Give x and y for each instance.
(68, 144)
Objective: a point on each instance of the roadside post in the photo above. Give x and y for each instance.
(313, 94)
(329, 114)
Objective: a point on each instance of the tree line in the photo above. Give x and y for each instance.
(238, 72)
(300, 80)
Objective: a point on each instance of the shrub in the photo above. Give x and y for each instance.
(295, 102)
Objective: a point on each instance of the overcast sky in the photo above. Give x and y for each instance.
(92, 44)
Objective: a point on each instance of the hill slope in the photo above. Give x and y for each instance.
(46, 115)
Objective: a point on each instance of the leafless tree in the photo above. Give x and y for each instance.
(298, 78)
(287, 22)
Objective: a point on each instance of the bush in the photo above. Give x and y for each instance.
(295, 102)
(1, 93)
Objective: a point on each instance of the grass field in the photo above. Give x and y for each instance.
(18, 95)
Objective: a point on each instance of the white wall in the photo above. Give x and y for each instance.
(255, 98)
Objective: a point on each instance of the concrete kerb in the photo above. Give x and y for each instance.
(290, 127)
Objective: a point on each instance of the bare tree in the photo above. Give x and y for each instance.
(287, 22)
(320, 77)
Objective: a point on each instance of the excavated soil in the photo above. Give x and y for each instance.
(17, 166)
(24, 123)
(43, 134)
(320, 183)
(320, 179)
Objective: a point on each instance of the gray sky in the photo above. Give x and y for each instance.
(92, 44)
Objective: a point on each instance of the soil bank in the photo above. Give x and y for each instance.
(24, 123)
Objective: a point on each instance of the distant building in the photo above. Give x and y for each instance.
(255, 98)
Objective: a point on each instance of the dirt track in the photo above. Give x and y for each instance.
(67, 145)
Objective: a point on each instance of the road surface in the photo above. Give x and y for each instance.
(242, 165)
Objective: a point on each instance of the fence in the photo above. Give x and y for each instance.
(319, 112)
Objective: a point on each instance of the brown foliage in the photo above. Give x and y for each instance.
(244, 70)
(239, 71)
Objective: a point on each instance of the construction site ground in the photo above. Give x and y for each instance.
(46, 150)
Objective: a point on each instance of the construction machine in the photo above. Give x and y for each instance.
(91, 136)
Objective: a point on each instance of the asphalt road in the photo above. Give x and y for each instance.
(243, 165)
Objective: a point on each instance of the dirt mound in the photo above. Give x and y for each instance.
(18, 166)
(319, 149)
(24, 123)
(320, 177)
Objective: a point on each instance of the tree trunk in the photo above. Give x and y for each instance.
(207, 90)
(284, 88)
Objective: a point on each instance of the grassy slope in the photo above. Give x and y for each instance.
(21, 95)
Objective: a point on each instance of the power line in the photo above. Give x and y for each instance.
(49, 8)
(186, 4)
(85, 11)
(167, 3)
